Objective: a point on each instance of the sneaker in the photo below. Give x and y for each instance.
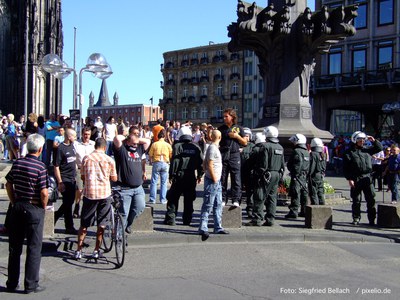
(128, 229)
(95, 254)
(204, 235)
(38, 289)
(356, 221)
(223, 231)
(223, 203)
(268, 223)
(302, 215)
(169, 222)
(394, 202)
(252, 223)
(78, 254)
(71, 231)
(236, 204)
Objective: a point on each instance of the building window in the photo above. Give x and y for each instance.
(106, 111)
(385, 12)
(203, 113)
(184, 113)
(248, 53)
(170, 113)
(219, 111)
(204, 55)
(170, 93)
(204, 73)
(219, 71)
(260, 86)
(362, 15)
(194, 91)
(204, 90)
(359, 58)
(219, 90)
(385, 55)
(335, 61)
(248, 87)
(194, 113)
(126, 110)
(185, 75)
(235, 88)
(185, 92)
(248, 105)
(235, 70)
(248, 68)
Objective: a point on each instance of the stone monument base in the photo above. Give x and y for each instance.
(231, 216)
(145, 221)
(388, 215)
(48, 227)
(318, 217)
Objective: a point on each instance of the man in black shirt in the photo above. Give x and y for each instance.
(232, 139)
(64, 171)
(130, 159)
(27, 184)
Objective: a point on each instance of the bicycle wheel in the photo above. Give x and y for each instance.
(119, 239)
(108, 234)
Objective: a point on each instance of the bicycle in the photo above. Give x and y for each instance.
(114, 232)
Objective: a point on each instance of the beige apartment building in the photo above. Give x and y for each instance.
(200, 82)
(356, 84)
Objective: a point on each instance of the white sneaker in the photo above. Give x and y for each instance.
(223, 203)
(236, 204)
(95, 254)
(78, 254)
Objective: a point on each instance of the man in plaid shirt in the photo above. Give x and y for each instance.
(97, 170)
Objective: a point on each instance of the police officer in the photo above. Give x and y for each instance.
(247, 170)
(298, 166)
(317, 172)
(269, 165)
(357, 169)
(186, 159)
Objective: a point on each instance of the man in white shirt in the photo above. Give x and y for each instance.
(82, 148)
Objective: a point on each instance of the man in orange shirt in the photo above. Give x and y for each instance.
(97, 170)
(156, 130)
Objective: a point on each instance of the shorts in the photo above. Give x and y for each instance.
(78, 179)
(92, 208)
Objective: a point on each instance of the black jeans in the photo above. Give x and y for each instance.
(232, 166)
(66, 207)
(25, 220)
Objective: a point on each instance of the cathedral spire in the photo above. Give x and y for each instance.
(103, 96)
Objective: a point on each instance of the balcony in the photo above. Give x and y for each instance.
(234, 96)
(204, 78)
(235, 56)
(184, 100)
(194, 80)
(203, 98)
(219, 58)
(192, 99)
(169, 100)
(194, 61)
(184, 63)
(204, 60)
(362, 80)
(219, 77)
(234, 76)
(184, 80)
(169, 65)
(170, 82)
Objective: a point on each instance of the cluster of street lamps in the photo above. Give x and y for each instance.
(96, 64)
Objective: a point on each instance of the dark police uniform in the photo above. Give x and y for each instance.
(29, 177)
(298, 166)
(247, 176)
(357, 166)
(231, 163)
(186, 159)
(316, 178)
(269, 164)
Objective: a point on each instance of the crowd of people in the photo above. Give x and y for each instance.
(183, 154)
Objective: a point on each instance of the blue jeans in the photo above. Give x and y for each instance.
(159, 168)
(109, 150)
(393, 180)
(133, 204)
(212, 200)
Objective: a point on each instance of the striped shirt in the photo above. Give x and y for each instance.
(97, 168)
(29, 176)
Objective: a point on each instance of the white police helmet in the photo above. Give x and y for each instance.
(358, 135)
(248, 132)
(298, 138)
(185, 134)
(260, 138)
(271, 133)
(317, 144)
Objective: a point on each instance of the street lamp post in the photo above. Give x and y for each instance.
(96, 64)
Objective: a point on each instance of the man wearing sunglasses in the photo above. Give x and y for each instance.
(357, 169)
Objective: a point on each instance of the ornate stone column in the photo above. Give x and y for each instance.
(286, 36)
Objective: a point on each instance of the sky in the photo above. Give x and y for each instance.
(133, 39)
